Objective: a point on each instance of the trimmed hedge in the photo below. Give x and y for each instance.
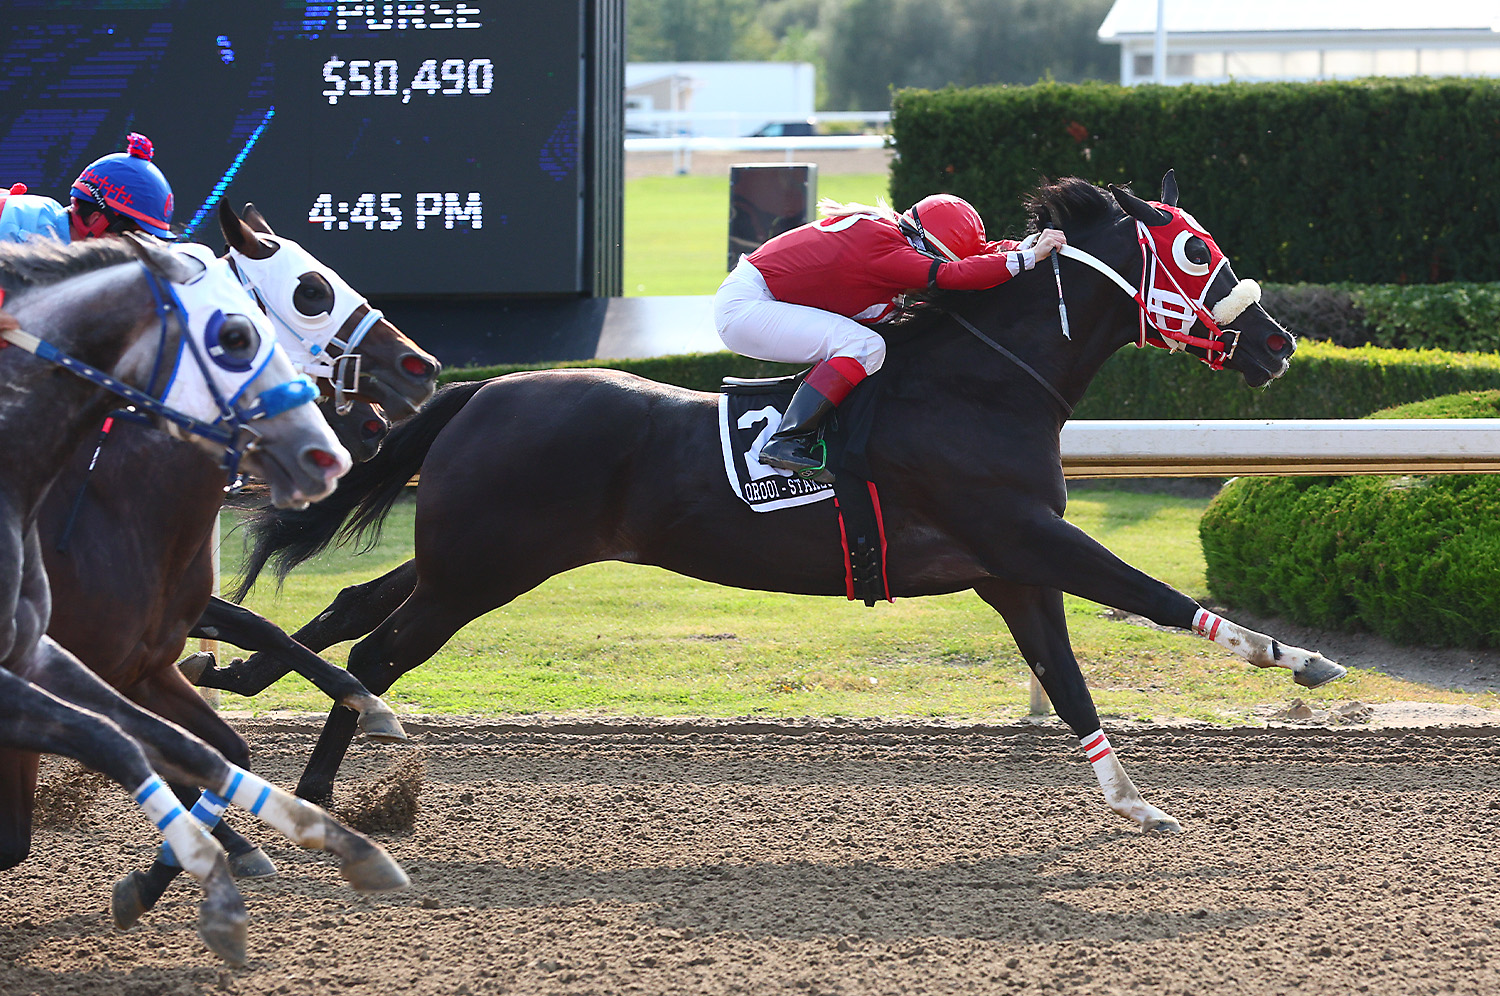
(1324, 381)
(1456, 316)
(1413, 559)
(1371, 181)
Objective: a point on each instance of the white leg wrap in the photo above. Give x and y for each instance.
(301, 821)
(1120, 792)
(207, 810)
(195, 850)
(1259, 649)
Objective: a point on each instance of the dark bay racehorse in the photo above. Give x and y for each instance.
(964, 449)
(135, 574)
(169, 324)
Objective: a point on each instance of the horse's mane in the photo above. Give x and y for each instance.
(1068, 202)
(39, 262)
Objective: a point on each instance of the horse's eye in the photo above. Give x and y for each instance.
(238, 336)
(1196, 251)
(233, 343)
(313, 296)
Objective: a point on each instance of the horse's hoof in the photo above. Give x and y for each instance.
(251, 864)
(374, 871)
(222, 920)
(1319, 671)
(126, 905)
(1162, 824)
(382, 727)
(226, 937)
(193, 665)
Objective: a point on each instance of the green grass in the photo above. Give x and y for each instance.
(677, 228)
(619, 639)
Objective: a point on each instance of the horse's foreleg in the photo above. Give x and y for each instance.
(32, 718)
(416, 631)
(1037, 621)
(185, 758)
(1056, 554)
(235, 624)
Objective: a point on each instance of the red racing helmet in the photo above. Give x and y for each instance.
(130, 186)
(948, 226)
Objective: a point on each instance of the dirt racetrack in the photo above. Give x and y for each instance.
(849, 858)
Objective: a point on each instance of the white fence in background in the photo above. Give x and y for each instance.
(1230, 447)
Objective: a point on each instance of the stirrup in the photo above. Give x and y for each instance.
(818, 472)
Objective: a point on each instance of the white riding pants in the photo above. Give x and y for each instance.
(753, 323)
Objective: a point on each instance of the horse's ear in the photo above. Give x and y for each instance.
(1138, 209)
(257, 220)
(179, 268)
(240, 235)
(1169, 188)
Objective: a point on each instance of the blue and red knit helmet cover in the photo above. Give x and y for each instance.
(130, 183)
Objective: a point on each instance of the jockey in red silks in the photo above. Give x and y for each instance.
(812, 294)
(120, 192)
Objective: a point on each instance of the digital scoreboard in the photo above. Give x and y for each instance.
(418, 148)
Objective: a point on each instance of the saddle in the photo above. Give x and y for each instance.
(750, 411)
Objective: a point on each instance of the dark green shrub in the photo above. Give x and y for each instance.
(1324, 381)
(1371, 181)
(1412, 559)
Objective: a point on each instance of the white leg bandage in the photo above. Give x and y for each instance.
(299, 820)
(194, 849)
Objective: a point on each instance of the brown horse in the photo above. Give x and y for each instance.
(180, 338)
(136, 573)
(964, 447)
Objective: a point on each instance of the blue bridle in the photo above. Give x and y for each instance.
(233, 429)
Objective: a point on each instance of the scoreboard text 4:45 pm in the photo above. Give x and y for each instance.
(384, 212)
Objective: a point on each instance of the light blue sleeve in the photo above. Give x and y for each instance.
(27, 216)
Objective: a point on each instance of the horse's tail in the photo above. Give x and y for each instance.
(356, 511)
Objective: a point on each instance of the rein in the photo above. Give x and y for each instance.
(233, 425)
(1027, 367)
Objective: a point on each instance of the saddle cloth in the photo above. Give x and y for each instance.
(749, 412)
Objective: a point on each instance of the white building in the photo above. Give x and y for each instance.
(716, 99)
(1214, 41)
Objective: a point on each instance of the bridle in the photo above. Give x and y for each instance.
(342, 368)
(1150, 302)
(1225, 310)
(234, 429)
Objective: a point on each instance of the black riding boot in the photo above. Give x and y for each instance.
(790, 447)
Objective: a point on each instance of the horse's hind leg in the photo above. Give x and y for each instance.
(238, 625)
(36, 720)
(18, 770)
(1040, 627)
(356, 612)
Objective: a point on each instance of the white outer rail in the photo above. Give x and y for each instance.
(703, 143)
(1241, 447)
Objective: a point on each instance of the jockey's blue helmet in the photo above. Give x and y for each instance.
(129, 184)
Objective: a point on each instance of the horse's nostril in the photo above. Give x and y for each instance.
(1276, 342)
(415, 365)
(323, 459)
(372, 427)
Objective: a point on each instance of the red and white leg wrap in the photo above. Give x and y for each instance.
(1096, 747)
(1206, 623)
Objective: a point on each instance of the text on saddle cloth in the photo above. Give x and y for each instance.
(749, 412)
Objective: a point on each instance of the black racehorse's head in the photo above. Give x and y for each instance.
(1191, 298)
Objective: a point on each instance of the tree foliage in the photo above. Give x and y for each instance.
(863, 48)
